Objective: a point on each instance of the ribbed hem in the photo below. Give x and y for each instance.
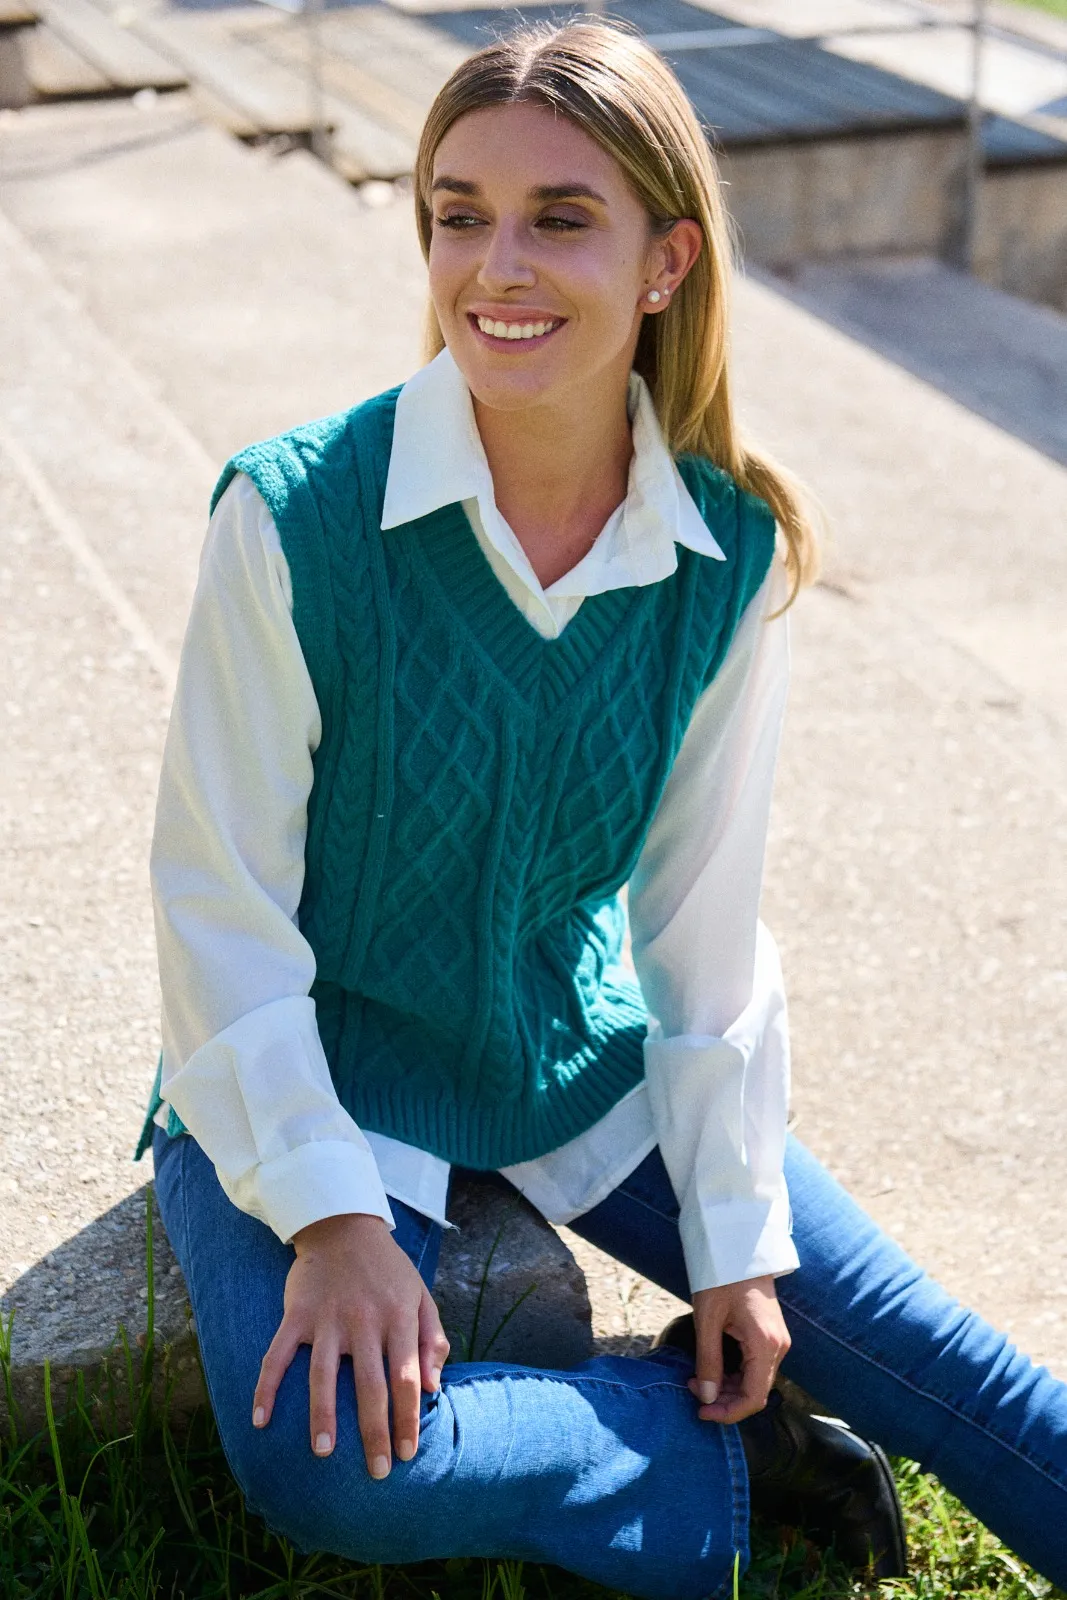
(487, 1137)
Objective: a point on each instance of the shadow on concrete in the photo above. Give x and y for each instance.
(68, 1307)
(12, 170)
(999, 356)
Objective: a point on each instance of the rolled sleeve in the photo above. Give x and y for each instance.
(720, 1107)
(717, 1050)
(259, 1099)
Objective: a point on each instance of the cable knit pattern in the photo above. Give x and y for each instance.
(480, 796)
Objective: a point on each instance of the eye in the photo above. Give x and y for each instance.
(555, 223)
(457, 219)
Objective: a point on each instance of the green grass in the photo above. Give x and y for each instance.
(108, 1503)
(1058, 8)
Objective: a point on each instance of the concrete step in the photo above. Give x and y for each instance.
(124, 59)
(217, 268)
(961, 521)
(1000, 356)
(273, 95)
(56, 71)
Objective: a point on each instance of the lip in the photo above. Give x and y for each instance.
(515, 346)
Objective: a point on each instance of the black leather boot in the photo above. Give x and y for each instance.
(813, 1472)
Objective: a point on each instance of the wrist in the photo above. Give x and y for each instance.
(329, 1232)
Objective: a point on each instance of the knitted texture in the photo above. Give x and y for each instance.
(480, 796)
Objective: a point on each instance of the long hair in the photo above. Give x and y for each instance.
(620, 92)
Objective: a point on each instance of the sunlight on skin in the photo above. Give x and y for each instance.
(535, 223)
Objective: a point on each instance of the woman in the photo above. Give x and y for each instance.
(462, 664)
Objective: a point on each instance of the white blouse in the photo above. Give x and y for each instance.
(243, 1065)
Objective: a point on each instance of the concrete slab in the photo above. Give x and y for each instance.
(997, 355)
(82, 717)
(915, 882)
(947, 515)
(216, 267)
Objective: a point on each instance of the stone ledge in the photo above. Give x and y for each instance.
(69, 1306)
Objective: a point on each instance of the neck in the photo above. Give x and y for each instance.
(558, 474)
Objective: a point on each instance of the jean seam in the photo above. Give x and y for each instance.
(648, 1206)
(1046, 1471)
(422, 1250)
(574, 1381)
(739, 1508)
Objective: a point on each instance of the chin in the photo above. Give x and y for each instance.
(508, 391)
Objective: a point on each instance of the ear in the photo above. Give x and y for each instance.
(673, 254)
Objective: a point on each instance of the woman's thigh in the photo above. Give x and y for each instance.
(235, 1270)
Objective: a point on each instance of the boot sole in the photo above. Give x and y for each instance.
(898, 1555)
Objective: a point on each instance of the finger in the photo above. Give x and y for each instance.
(754, 1384)
(372, 1402)
(433, 1346)
(406, 1388)
(274, 1366)
(322, 1380)
(706, 1383)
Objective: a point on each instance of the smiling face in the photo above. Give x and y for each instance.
(540, 260)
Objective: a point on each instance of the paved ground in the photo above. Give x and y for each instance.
(177, 294)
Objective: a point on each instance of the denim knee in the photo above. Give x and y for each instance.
(328, 1503)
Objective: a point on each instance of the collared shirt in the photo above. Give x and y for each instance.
(242, 1061)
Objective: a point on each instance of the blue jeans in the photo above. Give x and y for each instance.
(605, 1470)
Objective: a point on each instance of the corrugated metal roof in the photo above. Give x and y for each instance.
(1010, 144)
(768, 89)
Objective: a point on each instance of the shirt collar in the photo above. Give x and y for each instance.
(437, 459)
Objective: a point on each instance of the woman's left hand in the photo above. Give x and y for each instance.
(751, 1314)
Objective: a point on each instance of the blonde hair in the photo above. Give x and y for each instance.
(620, 92)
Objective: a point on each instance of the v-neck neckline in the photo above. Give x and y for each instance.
(453, 561)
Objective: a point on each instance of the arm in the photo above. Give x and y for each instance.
(243, 1064)
(717, 1053)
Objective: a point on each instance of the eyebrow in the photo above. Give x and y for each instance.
(544, 192)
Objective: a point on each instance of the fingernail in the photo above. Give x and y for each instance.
(259, 1417)
(323, 1444)
(405, 1449)
(707, 1392)
(379, 1467)
(435, 1377)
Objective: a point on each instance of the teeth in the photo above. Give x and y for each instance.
(514, 330)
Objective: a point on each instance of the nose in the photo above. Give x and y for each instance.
(505, 264)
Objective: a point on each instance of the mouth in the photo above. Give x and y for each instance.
(516, 334)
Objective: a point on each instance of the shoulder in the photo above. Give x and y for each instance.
(742, 524)
(306, 458)
(733, 514)
(242, 553)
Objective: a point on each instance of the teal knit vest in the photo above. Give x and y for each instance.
(480, 796)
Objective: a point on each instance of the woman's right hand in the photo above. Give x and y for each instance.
(352, 1291)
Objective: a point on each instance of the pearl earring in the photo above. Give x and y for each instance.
(654, 297)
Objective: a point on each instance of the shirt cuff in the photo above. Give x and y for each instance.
(316, 1180)
(736, 1240)
(259, 1100)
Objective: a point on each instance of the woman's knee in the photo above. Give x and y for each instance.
(320, 1503)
